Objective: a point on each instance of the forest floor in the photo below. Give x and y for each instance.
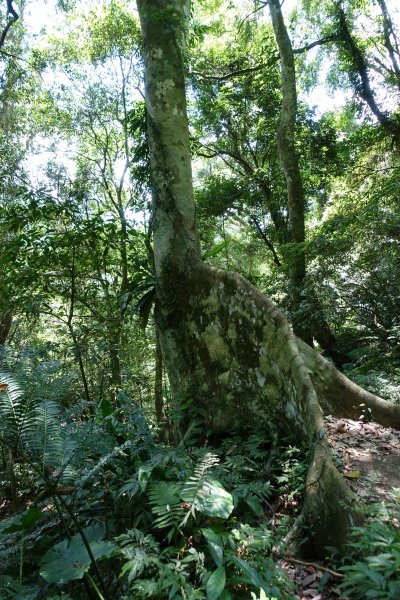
(368, 455)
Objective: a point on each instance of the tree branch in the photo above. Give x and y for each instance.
(273, 59)
(318, 567)
(266, 241)
(359, 75)
(326, 40)
(232, 74)
(14, 17)
(388, 31)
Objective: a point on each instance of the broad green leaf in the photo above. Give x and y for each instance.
(214, 500)
(215, 546)
(255, 506)
(144, 306)
(144, 474)
(129, 488)
(226, 595)
(25, 522)
(352, 474)
(215, 250)
(251, 573)
(216, 584)
(106, 408)
(69, 560)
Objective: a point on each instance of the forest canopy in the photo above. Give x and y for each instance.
(199, 258)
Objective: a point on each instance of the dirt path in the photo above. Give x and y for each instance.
(368, 455)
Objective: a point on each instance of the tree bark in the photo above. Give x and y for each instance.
(115, 363)
(390, 40)
(158, 389)
(5, 326)
(225, 345)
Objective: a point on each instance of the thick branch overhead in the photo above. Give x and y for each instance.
(13, 18)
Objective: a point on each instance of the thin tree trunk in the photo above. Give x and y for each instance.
(389, 34)
(115, 363)
(226, 346)
(5, 326)
(305, 325)
(321, 331)
(77, 347)
(289, 161)
(78, 355)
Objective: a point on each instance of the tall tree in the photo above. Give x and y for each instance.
(238, 123)
(359, 75)
(226, 345)
(311, 327)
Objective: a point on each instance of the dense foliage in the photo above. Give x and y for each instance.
(109, 486)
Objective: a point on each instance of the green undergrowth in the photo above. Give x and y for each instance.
(94, 507)
(159, 521)
(373, 559)
(376, 370)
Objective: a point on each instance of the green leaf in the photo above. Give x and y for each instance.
(215, 546)
(226, 595)
(216, 584)
(251, 573)
(352, 474)
(106, 408)
(69, 560)
(144, 474)
(215, 250)
(255, 506)
(25, 522)
(144, 306)
(129, 488)
(214, 500)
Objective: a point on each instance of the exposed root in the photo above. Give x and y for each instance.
(305, 563)
(341, 397)
(233, 352)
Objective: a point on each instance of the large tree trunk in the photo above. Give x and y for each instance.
(158, 388)
(225, 345)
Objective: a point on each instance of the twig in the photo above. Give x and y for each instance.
(305, 563)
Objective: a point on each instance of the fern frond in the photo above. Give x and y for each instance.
(12, 409)
(196, 487)
(111, 456)
(68, 465)
(166, 504)
(15, 409)
(42, 436)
